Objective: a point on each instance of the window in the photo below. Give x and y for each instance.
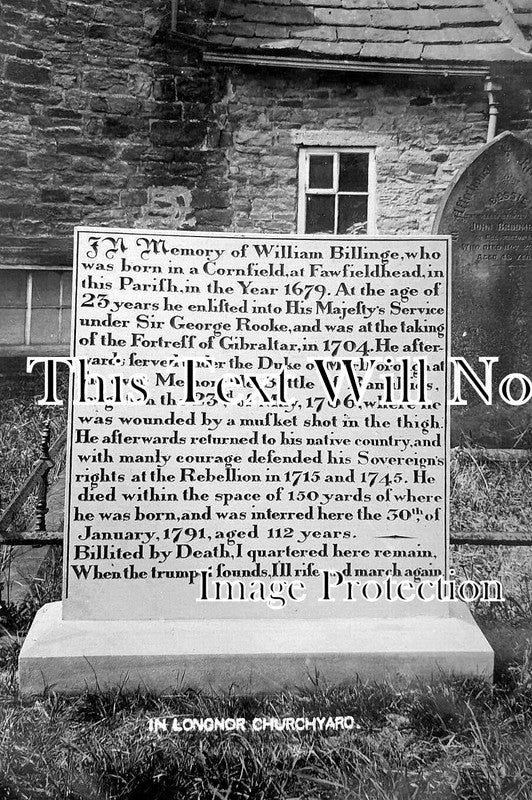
(336, 190)
(35, 311)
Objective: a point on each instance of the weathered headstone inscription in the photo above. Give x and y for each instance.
(271, 440)
(239, 451)
(488, 212)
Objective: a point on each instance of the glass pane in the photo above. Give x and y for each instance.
(65, 328)
(12, 326)
(320, 172)
(44, 326)
(13, 288)
(353, 175)
(320, 213)
(45, 292)
(352, 214)
(67, 289)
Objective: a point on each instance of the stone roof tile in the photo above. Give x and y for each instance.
(392, 51)
(240, 28)
(459, 35)
(402, 4)
(364, 4)
(473, 52)
(384, 35)
(267, 31)
(354, 34)
(342, 16)
(401, 18)
(233, 9)
(452, 17)
(284, 15)
(437, 4)
(438, 31)
(222, 38)
(282, 44)
(331, 48)
(327, 32)
(524, 20)
(522, 15)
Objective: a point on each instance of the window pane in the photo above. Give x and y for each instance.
(353, 175)
(320, 172)
(352, 214)
(45, 292)
(67, 289)
(12, 325)
(13, 288)
(44, 326)
(320, 213)
(65, 327)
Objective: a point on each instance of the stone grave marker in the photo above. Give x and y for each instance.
(259, 426)
(488, 212)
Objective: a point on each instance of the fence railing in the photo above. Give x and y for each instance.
(38, 481)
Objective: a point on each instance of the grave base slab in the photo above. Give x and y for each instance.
(247, 656)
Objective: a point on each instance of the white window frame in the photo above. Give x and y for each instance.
(27, 347)
(303, 187)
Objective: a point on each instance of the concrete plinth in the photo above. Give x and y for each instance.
(249, 656)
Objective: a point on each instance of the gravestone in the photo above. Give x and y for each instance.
(488, 212)
(261, 427)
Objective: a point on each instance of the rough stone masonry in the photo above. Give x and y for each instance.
(104, 119)
(108, 118)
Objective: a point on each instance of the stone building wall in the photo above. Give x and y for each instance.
(105, 119)
(108, 119)
(424, 131)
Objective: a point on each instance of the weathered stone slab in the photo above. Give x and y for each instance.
(172, 500)
(247, 656)
(488, 212)
(223, 524)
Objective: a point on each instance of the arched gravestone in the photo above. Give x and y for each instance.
(488, 212)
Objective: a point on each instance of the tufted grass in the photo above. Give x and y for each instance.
(448, 739)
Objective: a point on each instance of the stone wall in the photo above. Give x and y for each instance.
(108, 119)
(423, 130)
(105, 118)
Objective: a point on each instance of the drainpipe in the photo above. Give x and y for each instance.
(491, 88)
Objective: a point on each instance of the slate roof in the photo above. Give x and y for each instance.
(422, 31)
(522, 14)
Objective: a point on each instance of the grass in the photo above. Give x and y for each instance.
(490, 495)
(494, 496)
(450, 739)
